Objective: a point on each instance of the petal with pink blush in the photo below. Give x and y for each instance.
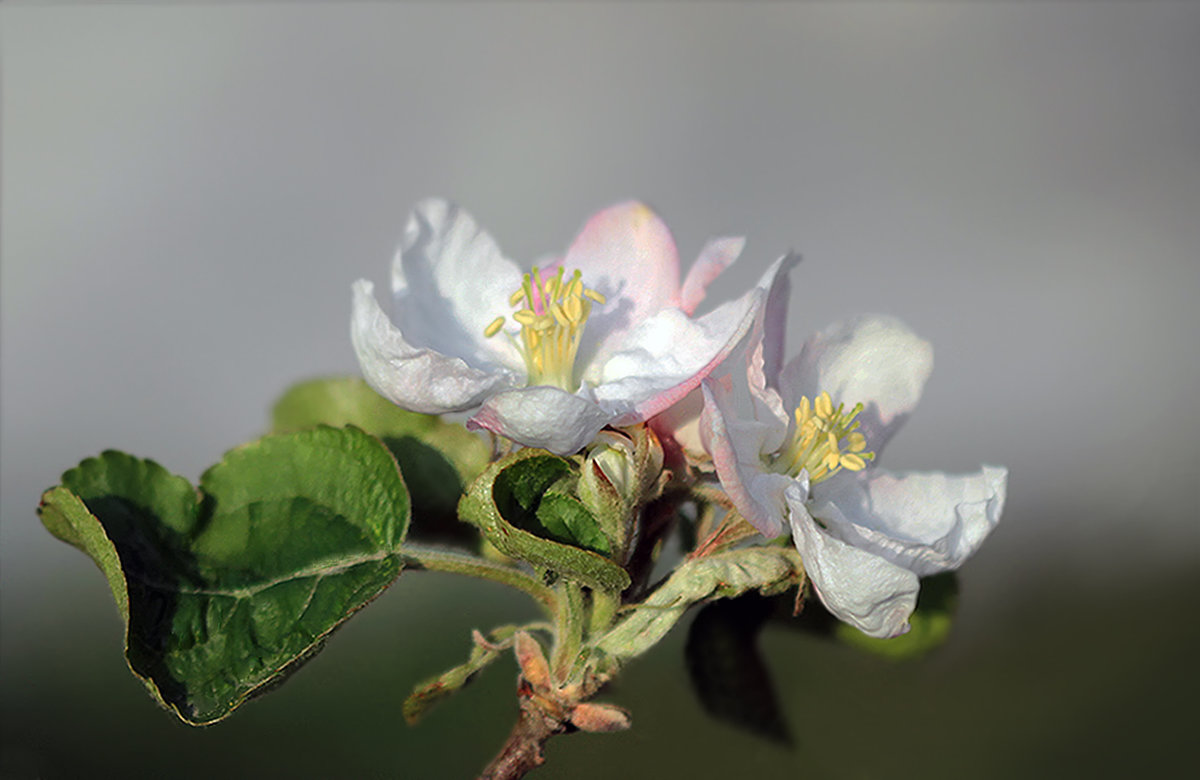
(735, 444)
(717, 255)
(627, 254)
(668, 355)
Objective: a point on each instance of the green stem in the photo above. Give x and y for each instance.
(604, 611)
(434, 559)
(568, 634)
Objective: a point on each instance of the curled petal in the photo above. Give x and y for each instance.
(927, 522)
(421, 380)
(449, 281)
(863, 589)
(871, 359)
(737, 449)
(543, 416)
(717, 255)
(668, 355)
(778, 285)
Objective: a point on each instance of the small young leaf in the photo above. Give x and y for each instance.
(438, 459)
(929, 624)
(433, 690)
(723, 575)
(505, 499)
(600, 718)
(225, 593)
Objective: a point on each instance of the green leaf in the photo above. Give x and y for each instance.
(227, 591)
(929, 625)
(728, 672)
(438, 459)
(433, 690)
(505, 499)
(723, 575)
(568, 520)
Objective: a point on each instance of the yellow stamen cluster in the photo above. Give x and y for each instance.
(552, 314)
(826, 440)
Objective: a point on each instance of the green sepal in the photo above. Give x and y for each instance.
(929, 624)
(225, 591)
(769, 570)
(438, 459)
(433, 690)
(505, 500)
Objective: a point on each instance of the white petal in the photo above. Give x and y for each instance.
(857, 586)
(667, 356)
(927, 522)
(543, 416)
(717, 255)
(420, 380)
(871, 359)
(449, 282)
(735, 441)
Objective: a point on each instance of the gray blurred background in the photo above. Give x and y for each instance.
(188, 193)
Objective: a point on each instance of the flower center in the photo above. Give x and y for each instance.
(551, 313)
(826, 440)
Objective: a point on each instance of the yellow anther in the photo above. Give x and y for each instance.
(552, 313)
(825, 440)
(852, 462)
(560, 316)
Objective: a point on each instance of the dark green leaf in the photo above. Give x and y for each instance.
(438, 459)
(226, 592)
(929, 625)
(504, 500)
(726, 669)
(568, 520)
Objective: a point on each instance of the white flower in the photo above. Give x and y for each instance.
(797, 444)
(603, 336)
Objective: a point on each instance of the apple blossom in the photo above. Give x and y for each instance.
(603, 336)
(797, 444)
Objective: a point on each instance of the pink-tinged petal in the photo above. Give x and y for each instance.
(717, 255)
(680, 423)
(449, 282)
(627, 254)
(765, 400)
(735, 444)
(542, 416)
(420, 380)
(863, 589)
(668, 355)
(777, 283)
(927, 522)
(872, 359)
